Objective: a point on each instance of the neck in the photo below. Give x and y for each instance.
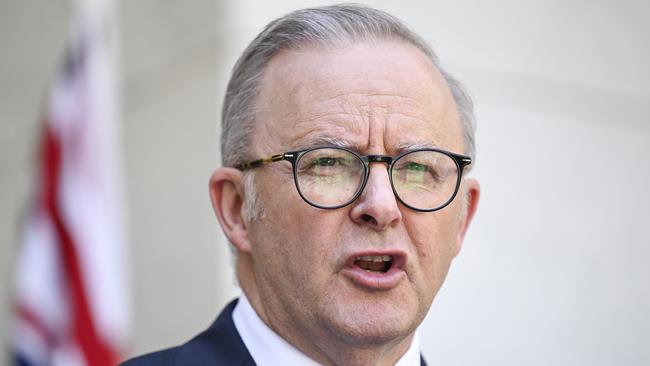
(344, 353)
(320, 345)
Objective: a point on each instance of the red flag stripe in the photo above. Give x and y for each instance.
(96, 351)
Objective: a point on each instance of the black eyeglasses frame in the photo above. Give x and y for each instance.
(293, 157)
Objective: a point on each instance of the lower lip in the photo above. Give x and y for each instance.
(374, 280)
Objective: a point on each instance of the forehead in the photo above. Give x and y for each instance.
(370, 96)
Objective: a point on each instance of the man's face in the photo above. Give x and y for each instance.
(377, 98)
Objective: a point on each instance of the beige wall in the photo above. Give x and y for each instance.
(552, 271)
(173, 56)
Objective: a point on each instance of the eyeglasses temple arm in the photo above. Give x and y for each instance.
(259, 162)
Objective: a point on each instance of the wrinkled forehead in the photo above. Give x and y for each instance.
(386, 93)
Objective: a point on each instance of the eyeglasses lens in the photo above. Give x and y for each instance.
(425, 179)
(330, 177)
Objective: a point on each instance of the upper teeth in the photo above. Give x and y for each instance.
(374, 258)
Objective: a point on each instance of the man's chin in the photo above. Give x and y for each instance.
(368, 325)
(372, 335)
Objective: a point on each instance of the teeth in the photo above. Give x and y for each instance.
(375, 258)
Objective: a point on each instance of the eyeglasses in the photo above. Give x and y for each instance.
(333, 177)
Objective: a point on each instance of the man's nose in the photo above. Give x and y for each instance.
(377, 206)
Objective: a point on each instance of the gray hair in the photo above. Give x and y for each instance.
(335, 25)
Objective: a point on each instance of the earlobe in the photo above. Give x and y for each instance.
(472, 193)
(227, 198)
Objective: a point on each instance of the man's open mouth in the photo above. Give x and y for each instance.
(374, 263)
(376, 270)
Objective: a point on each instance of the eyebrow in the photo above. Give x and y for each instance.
(407, 146)
(327, 141)
(339, 142)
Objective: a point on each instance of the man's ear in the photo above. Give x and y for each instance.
(472, 193)
(227, 195)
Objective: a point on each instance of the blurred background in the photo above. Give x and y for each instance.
(555, 267)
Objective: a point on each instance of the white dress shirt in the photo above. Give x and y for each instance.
(269, 349)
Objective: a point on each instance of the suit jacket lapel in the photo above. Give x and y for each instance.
(422, 362)
(218, 345)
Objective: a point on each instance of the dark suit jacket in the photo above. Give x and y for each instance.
(219, 345)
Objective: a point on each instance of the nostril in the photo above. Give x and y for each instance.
(369, 219)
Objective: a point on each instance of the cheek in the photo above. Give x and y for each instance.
(433, 235)
(299, 241)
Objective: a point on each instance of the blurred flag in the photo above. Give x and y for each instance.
(71, 303)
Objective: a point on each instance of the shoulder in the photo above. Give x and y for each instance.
(218, 345)
(160, 358)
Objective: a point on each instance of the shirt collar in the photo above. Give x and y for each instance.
(269, 349)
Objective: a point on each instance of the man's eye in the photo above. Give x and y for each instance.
(416, 167)
(422, 172)
(326, 161)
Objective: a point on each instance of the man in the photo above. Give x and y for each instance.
(344, 145)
